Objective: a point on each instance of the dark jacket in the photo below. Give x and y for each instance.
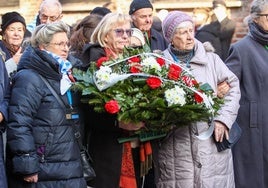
(8, 55)
(4, 98)
(103, 132)
(157, 41)
(248, 60)
(40, 138)
(220, 34)
(210, 32)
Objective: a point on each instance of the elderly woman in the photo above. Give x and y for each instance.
(13, 31)
(42, 148)
(108, 40)
(182, 159)
(248, 60)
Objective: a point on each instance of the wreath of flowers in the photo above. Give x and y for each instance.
(146, 87)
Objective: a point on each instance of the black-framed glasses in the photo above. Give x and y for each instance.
(120, 32)
(62, 45)
(266, 15)
(44, 17)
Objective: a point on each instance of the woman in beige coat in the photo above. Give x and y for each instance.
(181, 159)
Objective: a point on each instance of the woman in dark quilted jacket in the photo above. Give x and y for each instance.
(42, 151)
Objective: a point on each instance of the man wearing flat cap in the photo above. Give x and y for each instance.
(141, 12)
(220, 31)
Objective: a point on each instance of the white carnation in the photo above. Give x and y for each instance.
(150, 63)
(175, 96)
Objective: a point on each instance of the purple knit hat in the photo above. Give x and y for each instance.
(172, 20)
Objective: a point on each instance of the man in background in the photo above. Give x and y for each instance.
(220, 31)
(49, 11)
(141, 12)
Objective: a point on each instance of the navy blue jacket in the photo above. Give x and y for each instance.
(40, 138)
(157, 41)
(4, 98)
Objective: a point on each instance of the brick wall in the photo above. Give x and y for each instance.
(239, 14)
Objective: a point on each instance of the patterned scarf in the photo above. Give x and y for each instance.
(65, 67)
(181, 56)
(258, 34)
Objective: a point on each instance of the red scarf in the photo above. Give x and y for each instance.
(127, 178)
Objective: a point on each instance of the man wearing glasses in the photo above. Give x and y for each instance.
(49, 11)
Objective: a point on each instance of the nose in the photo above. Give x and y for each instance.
(48, 20)
(147, 20)
(66, 48)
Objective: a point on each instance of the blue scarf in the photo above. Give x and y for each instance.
(65, 67)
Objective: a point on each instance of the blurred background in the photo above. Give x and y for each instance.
(75, 10)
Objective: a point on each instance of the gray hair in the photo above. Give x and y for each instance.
(44, 33)
(106, 24)
(50, 3)
(257, 7)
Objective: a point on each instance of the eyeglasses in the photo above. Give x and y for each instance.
(62, 45)
(120, 32)
(266, 15)
(44, 17)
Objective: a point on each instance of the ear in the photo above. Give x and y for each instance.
(106, 39)
(42, 47)
(60, 17)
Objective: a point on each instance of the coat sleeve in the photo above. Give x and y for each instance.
(228, 111)
(25, 100)
(4, 93)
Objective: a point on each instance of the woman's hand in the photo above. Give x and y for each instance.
(220, 131)
(131, 126)
(222, 89)
(16, 57)
(31, 179)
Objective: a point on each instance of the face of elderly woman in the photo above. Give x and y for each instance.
(59, 45)
(14, 34)
(262, 20)
(118, 37)
(183, 38)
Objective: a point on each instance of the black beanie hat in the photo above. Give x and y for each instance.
(139, 4)
(102, 11)
(11, 17)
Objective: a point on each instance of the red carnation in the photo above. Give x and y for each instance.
(160, 61)
(112, 107)
(154, 82)
(198, 98)
(174, 72)
(135, 69)
(101, 60)
(135, 59)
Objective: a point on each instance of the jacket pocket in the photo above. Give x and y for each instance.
(253, 114)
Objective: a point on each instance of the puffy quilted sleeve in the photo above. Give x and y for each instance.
(25, 100)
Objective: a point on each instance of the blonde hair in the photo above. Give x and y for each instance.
(106, 24)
